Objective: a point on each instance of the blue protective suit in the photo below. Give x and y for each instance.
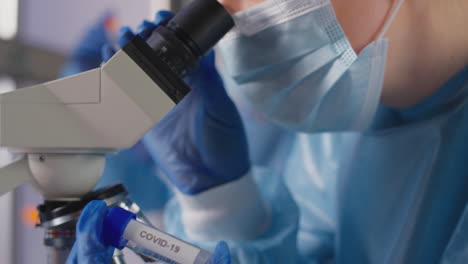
(394, 194)
(404, 191)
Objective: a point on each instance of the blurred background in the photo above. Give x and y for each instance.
(35, 39)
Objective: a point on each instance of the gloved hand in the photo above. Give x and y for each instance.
(201, 143)
(87, 54)
(89, 248)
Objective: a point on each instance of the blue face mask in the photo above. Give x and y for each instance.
(292, 61)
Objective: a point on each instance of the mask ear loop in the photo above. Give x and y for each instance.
(390, 19)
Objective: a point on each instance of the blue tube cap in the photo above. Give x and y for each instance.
(114, 227)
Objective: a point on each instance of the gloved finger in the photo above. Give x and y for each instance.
(221, 254)
(207, 82)
(89, 234)
(107, 52)
(145, 29)
(163, 16)
(125, 35)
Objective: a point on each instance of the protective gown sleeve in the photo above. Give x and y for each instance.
(256, 215)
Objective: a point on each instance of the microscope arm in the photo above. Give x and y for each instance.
(98, 111)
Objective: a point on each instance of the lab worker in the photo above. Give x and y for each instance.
(367, 102)
(394, 71)
(365, 66)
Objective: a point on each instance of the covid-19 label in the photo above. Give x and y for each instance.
(161, 243)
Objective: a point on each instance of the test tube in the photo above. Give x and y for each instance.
(121, 229)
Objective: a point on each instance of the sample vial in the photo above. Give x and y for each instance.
(121, 229)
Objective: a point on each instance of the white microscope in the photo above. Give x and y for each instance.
(62, 130)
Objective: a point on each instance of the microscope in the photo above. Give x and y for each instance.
(60, 131)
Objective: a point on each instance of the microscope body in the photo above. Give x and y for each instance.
(62, 130)
(78, 119)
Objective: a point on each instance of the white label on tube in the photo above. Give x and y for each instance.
(161, 243)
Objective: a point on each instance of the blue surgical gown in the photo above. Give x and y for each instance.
(395, 194)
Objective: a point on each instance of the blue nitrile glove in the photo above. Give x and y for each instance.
(90, 249)
(221, 254)
(87, 55)
(201, 143)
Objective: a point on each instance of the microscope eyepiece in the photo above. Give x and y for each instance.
(175, 47)
(190, 34)
(205, 22)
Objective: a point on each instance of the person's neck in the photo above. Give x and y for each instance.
(429, 43)
(449, 22)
